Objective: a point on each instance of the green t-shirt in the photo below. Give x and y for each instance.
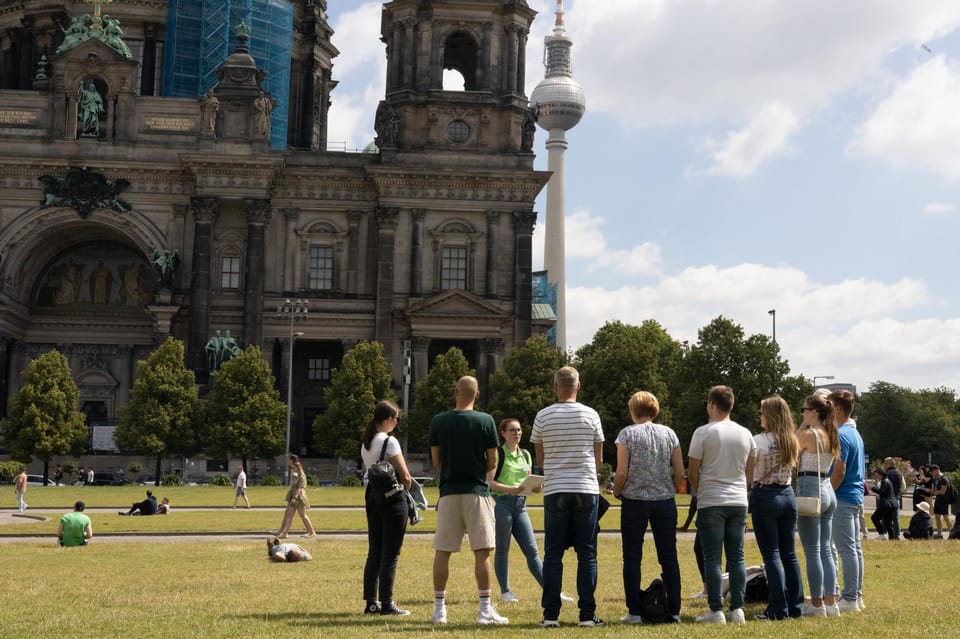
(73, 526)
(463, 436)
(515, 467)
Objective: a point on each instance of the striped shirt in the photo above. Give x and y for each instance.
(568, 431)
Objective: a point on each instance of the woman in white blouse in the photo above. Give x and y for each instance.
(773, 507)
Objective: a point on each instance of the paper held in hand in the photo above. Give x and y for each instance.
(531, 483)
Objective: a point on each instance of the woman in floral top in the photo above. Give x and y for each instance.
(649, 471)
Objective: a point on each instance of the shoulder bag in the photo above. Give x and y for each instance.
(810, 506)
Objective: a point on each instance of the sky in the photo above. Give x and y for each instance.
(744, 156)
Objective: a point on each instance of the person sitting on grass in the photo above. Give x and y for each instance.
(75, 528)
(164, 507)
(921, 525)
(286, 552)
(146, 507)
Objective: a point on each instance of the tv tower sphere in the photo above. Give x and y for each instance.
(558, 96)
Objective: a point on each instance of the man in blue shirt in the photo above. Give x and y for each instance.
(847, 481)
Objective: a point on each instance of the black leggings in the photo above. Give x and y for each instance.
(386, 526)
(691, 511)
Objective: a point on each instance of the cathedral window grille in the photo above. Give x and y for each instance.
(453, 267)
(318, 369)
(230, 266)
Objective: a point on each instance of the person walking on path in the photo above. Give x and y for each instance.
(649, 473)
(463, 445)
(847, 482)
(568, 438)
(297, 501)
(20, 488)
(241, 488)
(386, 516)
(75, 527)
(773, 508)
(818, 437)
(722, 456)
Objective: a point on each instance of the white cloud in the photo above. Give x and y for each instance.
(939, 208)
(764, 137)
(917, 125)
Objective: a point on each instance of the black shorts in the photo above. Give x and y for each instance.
(940, 506)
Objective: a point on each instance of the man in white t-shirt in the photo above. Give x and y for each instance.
(722, 457)
(568, 439)
(241, 488)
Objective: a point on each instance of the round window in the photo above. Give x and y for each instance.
(458, 131)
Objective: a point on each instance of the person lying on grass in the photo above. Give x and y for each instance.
(286, 552)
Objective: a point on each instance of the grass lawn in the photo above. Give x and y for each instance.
(230, 589)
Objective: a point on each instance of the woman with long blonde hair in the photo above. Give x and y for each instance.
(819, 449)
(773, 506)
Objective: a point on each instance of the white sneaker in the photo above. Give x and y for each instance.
(712, 616)
(882, 537)
(736, 617)
(549, 623)
(832, 611)
(509, 597)
(846, 606)
(860, 603)
(490, 616)
(631, 619)
(439, 616)
(809, 610)
(699, 595)
(564, 597)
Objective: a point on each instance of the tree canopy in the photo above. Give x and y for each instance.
(524, 384)
(362, 380)
(435, 393)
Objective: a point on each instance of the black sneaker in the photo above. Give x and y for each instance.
(391, 609)
(595, 622)
(373, 608)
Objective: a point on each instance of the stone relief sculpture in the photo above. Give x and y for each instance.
(68, 284)
(101, 281)
(90, 110)
(131, 285)
(529, 128)
(262, 110)
(387, 125)
(209, 106)
(166, 263)
(84, 190)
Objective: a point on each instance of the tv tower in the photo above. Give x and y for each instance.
(560, 103)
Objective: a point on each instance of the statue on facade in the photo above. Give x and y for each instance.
(221, 348)
(68, 285)
(77, 32)
(90, 110)
(209, 106)
(262, 110)
(131, 285)
(165, 263)
(229, 346)
(387, 125)
(113, 37)
(529, 128)
(101, 281)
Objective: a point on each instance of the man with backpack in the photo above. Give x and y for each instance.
(943, 497)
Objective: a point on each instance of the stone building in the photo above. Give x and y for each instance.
(127, 216)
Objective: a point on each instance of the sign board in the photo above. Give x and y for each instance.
(101, 438)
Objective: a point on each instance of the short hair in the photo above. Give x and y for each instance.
(934, 467)
(467, 386)
(567, 377)
(79, 506)
(842, 399)
(722, 397)
(643, 404)
(149, 493)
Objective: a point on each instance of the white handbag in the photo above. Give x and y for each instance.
(810, 506)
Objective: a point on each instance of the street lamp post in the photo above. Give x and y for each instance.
(816, 377)
(295, 311)
(773, 314)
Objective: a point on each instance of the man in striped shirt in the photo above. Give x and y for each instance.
(568, 439)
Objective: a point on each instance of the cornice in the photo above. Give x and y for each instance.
(484, 188)
(232, 177)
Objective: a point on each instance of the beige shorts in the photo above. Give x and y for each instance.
(470, 514)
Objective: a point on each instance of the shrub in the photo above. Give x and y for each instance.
(9, 470)
(313, 480)
(271, 480)
(431, 481)
(134, 468)
(69, 469)
(170, 479)
(221, 480)
(350, 480)
(606, 472)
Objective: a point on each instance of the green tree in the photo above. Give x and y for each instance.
(620, 360)
(43, 418)
(362, 380)
(524, 384)
(435, 393)
(159, 418)
(243, 414)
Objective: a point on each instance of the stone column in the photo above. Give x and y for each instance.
(255, 270)
(290, 251)
(6, 353)
(416, 252)
(394, 57)
(386, 238)
(353, 252)
(513, 53)
(420, 347)
(493, 220)
(523, 223)
(407, 51)
(522, 60)
(491, 350)
(148, 72)
(204, 210)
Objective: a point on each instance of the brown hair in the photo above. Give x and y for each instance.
(722, 397)
(503, 426)
(779, 423)
(383, 411)
(842, 399)
(823, 407)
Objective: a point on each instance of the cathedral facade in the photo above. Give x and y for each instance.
(128, 216)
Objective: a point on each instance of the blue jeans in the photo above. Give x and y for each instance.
(570, 519)
(816, 535)
(774, 513)
(846, 534)
(721, 530)
(662, 515)
(512, 520)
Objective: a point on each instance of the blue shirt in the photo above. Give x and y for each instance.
(851, 454)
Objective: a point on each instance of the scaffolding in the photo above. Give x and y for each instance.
(202, 33)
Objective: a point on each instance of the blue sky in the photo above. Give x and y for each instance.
(749, 155)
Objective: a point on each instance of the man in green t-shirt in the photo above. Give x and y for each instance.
(75, 528)
(463, 445)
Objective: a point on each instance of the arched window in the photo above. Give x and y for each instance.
(460, 55)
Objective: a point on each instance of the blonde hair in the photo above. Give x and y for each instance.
(643, 405)
(779, 423)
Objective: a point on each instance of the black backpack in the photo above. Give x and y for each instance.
(653, 603)
(382, 479)
(756, 590)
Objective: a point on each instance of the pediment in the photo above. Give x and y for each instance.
(93, 51)
(457, 304)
